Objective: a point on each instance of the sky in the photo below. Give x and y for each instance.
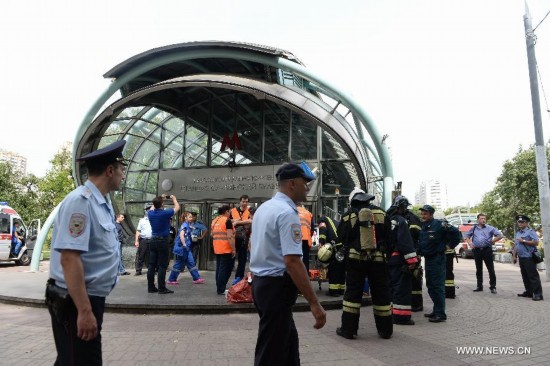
(446, 80)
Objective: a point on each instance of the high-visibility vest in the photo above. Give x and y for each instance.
(236, 215)
(305, 222)
(219, 236)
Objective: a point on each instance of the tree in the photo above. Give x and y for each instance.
(516, 192)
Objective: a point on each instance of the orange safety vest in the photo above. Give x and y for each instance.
(236, 215)
(305, 222)
(219, 236)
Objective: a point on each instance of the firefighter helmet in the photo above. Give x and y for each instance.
(325, 253)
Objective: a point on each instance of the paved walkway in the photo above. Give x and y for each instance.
(475, 319)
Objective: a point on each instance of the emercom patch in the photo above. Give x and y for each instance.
(77, 224)
(296, 233)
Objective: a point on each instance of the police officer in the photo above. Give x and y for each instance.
(336, 269)
(362, 231)
(142, 239)
(526, 241)
(84, 260)
(198, 232)
(432, 247)
(276, 262)
(402, 261)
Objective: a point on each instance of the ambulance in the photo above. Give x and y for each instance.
(8, 218)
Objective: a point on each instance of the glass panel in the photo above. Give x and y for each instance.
(196, 135)
(339, 178)
(107, 140)
(173, 143)
(304, 138)
(277, 122)
(129, 112)
(117, 126)
(249, 129)
(140, 186)
(331, 148)
(223, 126)
(146, 156)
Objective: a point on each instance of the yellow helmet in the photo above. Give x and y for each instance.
(325, 253)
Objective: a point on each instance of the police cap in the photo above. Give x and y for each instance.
(109, 154)
(292, 170)
(427, 208)
(522, 218)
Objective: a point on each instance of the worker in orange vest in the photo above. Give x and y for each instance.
(240, 217)
(224, 247)
(306, 221)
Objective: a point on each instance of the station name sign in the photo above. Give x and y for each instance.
(219, 183)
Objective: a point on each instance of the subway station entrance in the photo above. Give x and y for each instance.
(211, 121)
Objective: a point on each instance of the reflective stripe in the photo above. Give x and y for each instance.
(351, 304)
(394, 254)
(416, 292)
(342, 287)
(322, 236)
(449, 251)
(449, 282)
(402, 307)
(381, 313)
(350, 310)
(381, 307)
(402, 312)
(332, 225)
(416, 227)
(410, 255)
(333, 287)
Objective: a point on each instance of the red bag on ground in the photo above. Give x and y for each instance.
(241, 292)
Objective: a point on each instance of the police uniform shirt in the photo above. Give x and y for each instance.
(277, 232)
(197, 228)
(86, 223)
(524, 250)
(482, 236)
(144, 228)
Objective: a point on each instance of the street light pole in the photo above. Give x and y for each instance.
(540, 147)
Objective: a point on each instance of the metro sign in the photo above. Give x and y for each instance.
(231, 143)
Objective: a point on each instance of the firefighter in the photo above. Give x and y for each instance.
(452, 238)
(362, 233)
(336, 267)
(306, 222)
(415, 225)
(402, 261)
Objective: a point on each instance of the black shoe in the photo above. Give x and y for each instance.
(417, 309)
(137, 274)
(537, 298)
(385, 335)
(479, 289)
(165, 291)
(429, 315)
(332, 294)
(220, 293)
(404, 322)
(153, 290)
(343, 333)
(437, 319)
(494, 291)
(525, 294)
(124, 273)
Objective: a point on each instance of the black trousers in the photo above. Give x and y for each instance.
(72, 350)
(195, 248)
(530, 276)
(401, 287)
(305, 255)
(482, 255)
(142, 253)
(277, 342)
(158, 259)
(449, 276)
(356, 271)
(241, 248)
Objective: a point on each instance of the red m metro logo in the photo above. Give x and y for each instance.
(232, 143)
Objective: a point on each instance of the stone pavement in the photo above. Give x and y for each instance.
(474, 319)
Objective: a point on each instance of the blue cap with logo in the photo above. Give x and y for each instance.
(292, 170)
(108, 154)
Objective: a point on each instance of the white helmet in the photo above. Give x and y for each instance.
(325, 253)
(355, 191)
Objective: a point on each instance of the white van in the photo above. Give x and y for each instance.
(8, 218)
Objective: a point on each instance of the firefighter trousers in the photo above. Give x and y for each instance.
(336, 275)
(358, 267)
(449, 276)
(400, 289)
(417, 302)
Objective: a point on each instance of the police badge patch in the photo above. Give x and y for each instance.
(296, 233)
(77, 224)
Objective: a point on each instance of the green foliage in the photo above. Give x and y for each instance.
(515, 192)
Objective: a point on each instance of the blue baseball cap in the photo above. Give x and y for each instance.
(292, 170)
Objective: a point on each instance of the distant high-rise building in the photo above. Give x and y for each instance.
(432, 192)
(17, 162)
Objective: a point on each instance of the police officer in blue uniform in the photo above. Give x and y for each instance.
(526, 242)
(84, 259)
(432, 247)
(276, 262)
